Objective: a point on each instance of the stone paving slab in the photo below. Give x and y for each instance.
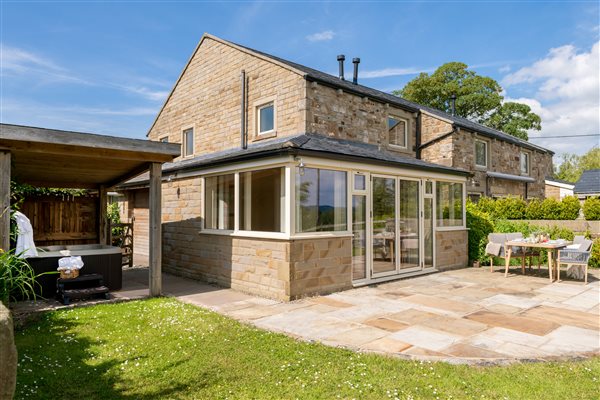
(472, 316)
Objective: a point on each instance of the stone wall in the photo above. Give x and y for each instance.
(451, 249)
(552, 192)
(319, 266)
(458, 151)
(208, 98)
(335, 113)
(8, 354)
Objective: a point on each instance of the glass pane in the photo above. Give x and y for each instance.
(261, 197)
(266, 118)
(189, 142)
(429, 187)
(397, 132)
(219, 202)
(480, 154)
(359, 239)
(449, 204)
(360, 182)
(384, 224)
(524, 163)
(321, 200)
(409, 224)
(428, 232)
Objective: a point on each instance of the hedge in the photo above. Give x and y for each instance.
(481, 224)
(515, 208)
(591, 209)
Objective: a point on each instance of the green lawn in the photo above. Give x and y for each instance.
(162, 348)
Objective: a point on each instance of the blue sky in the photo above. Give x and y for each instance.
(106, 67)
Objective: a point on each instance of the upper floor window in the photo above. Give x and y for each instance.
(524, 163)
(397, 132)
(164, 139)
(188, 142)
(481, 153)
(266, 118)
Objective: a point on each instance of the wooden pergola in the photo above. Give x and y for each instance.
(62, 159)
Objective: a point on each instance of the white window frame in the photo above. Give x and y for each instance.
(461, 227)
(387, 124)
(259, 105)
(528, 155)
(184, 142)
(487, 153)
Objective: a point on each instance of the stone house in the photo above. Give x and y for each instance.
(293, 182)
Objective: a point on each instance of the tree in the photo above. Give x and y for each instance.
(515, 119)
(573, 165)
(478, 98)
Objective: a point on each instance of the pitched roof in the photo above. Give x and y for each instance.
(330, 80)
(588, 183)
(304, 144)
(312, 74)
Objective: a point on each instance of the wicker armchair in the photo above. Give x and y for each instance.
(496, 248)
(579, 256)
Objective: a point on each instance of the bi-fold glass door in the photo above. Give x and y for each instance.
(396, 226)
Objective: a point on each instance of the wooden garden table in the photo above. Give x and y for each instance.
(552, 246)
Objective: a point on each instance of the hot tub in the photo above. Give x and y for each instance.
(97, 259)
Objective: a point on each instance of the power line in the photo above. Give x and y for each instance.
(565, 136)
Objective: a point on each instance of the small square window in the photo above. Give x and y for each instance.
(188, 142)
(481, 153)
(360, 182)
(266, 118)
(397, 132)
(524, 163)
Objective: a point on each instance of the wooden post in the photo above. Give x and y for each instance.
(103, 217)
(4, 200)
(155, 231)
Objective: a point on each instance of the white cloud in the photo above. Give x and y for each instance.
(567, 98)
(504, 69)
(385, 72)
(34, 68)
(321, 36)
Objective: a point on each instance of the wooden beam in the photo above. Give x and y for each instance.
(4, 200)
(102, 216)
(155, 230)
(129, 175)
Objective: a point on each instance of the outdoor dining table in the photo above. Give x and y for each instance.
(552, 246)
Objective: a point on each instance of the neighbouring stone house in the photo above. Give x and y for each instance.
(294, 182)
(557, 189)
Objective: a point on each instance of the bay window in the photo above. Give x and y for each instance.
(321, 200)
(449, 204)
(219, 202)
(262, 197)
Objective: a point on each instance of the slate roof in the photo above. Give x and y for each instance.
(308, 144)
(588, 183)
(330, 80)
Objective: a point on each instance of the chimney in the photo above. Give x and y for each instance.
(341, 58)
(355, 61)
(453, 104)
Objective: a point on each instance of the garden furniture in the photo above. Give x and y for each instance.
(579, 256)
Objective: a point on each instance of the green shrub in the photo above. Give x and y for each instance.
(534, 210)
(486, 205)
(569, 208)
(551, 208)
(114, 217)
(510, 208)
(594, 261)
(591, 209)
(17, 279)
(480, 226)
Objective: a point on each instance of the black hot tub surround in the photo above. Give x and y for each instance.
(97, 259)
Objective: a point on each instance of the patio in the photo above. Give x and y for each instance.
(461, 316)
